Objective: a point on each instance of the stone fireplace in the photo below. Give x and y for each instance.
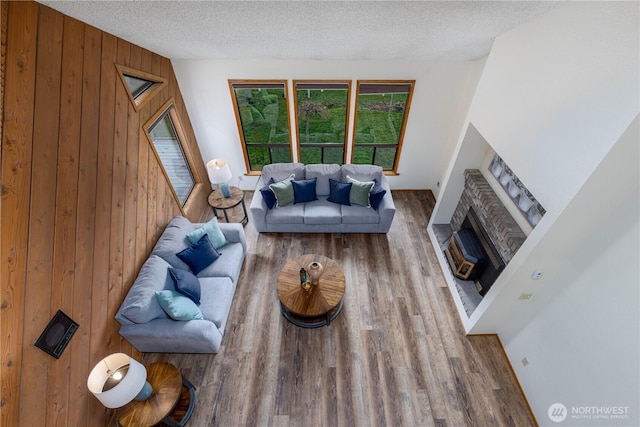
(500, 227)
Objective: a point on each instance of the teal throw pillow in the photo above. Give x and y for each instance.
(283, 191)
(339, 192)
(177, 306)
(199, 256)
(212, 229)
(186, 283)
(360, 192)
(304, 190)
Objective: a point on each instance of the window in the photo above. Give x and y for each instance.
(141, 86)
(322, 111)
(382, 108)
(166, 137)
(263, 121)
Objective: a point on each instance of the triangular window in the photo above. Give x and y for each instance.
(141, 86)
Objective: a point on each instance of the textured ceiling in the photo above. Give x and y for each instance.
(353, 30)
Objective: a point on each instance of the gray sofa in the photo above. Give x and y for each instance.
(143, 321)
(322, 216)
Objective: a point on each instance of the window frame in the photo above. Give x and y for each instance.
(345, 143)
(256, 84)
(170, 109)
(158, 83)
(412, 83)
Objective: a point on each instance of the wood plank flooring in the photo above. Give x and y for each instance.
(397, 355)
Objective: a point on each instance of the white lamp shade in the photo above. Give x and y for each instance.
(219, 171)
(126, 390)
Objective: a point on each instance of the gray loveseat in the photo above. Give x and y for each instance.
(143, 321)
(322, 215)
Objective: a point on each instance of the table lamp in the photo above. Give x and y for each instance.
(117, 380)
(219, 173)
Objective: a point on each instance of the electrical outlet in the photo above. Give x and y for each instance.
(525, 361)
(525, 296)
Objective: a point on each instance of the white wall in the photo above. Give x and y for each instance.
(581, 330)
(558, 91)
(558, 101)
(439, 92)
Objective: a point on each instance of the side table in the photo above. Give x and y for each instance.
(169, 389)
(218, 201)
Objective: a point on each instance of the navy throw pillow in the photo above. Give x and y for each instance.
(186, 283)
(339, 192)
(267, 194)
(376, 195)
(304, 190)
(199, 256)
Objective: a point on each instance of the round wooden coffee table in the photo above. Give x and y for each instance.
(317, 306)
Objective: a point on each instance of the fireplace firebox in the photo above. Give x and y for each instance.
(494, 262)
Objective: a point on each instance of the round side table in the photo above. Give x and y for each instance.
(218, 201)
(167, 388)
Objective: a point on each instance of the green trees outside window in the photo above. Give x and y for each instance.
(263, 121)
(321, 113)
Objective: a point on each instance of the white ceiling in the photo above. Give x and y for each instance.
(348, 30)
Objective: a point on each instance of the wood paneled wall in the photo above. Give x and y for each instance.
(83, 201)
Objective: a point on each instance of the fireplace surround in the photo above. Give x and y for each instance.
(494, 218)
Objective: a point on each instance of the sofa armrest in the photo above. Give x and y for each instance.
(387, 208)
(171, 336)
(258, 208)
(234, 233)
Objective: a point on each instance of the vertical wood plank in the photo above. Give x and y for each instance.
(38, 283)
(118, 199)
(16, 181)
(100, 340)
(65, 212)
(86, 213)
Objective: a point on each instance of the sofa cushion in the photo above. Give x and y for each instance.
(322, 212)
(178, 306)
(199, 256)
(174, 240)
(228, 265)
(356, 214)
(212, 229)
(290, 214)
(283, 191)
(376, 195)
(140, 305)
(217, 296)
(360, 190)
(186, 283)
(267, 194)
(304, 190)
(362, 172)
(323, 172)
(339, 192)
(280, 171)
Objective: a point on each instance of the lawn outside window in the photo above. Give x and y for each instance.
(322, 111)
(382, 109)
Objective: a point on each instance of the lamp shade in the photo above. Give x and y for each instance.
(125, 389)
(219, 171)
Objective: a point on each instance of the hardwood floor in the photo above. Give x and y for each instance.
(396, 355)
